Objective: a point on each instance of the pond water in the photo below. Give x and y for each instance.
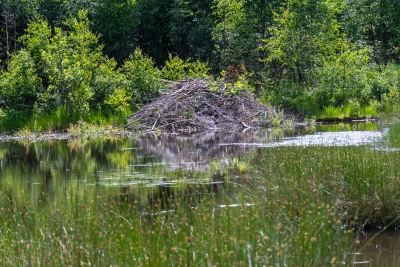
(170, 165)
(377, 248)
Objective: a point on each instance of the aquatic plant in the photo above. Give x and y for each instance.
(88, 202)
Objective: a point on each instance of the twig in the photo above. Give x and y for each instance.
(245, 125)
(155, 122)
(202, 105)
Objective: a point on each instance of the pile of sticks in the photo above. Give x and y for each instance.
(191, 107)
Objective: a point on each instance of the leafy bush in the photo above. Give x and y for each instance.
(239, 86)
(142, 77)
(386, 85)
(176, 69)
(70, 58)
(20, 84)
(119, 100)
(344, 77)
(65, 69)
(106, 80)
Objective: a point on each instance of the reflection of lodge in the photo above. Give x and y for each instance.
(195, 152)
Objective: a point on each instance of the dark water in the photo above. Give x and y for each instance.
(375, 248)
(165, 165)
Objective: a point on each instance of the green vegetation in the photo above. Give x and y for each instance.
(84, 65)
(109, 57)
(351, 111)
(93, 202)
(107, 229)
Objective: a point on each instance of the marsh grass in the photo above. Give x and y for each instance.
(352, 110)
(109, 230)
(242, 222)
(361, 182)
(58, 120)
(289, 206)
(84, 129)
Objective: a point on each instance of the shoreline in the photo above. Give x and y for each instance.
(116, 132)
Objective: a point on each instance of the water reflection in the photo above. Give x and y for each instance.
(150, 161)
(155, 173)
(143, 169)
(196, 152)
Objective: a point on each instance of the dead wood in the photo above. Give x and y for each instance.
(190, 107)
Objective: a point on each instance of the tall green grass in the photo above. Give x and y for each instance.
(60, 119)
(50, 217)
(107, 230)
(361, 182)
(348, 111)
(289, 206)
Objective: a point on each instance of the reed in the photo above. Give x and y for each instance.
(241, 222)
(276, 206)
(59, 120)
(360, 181)
(108, 230)
(348, 111)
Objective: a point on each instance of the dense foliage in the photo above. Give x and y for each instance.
(108, 56)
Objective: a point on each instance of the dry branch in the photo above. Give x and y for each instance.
(191, 107)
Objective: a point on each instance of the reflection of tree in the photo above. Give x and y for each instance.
(83, 168)
(52, 167)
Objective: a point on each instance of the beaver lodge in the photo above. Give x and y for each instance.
(191, 107)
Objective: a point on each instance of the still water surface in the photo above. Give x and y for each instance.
(165, 162)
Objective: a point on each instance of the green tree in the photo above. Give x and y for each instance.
(230, 34)
(177, 69)
(63, 69)
(53, 11)
(376, 24)
(108, 80)
(181, 28)
(143, 78)
(345, 77)
(14, 16)
(20, 84)
(190, 27)
(71, 58)
(154, 17)
(117, 23)
(199, 37)
(239, 34)
(306, 32)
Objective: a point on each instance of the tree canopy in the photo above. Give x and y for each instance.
(108, 55)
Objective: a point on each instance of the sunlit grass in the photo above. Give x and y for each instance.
(361, 181)
(348, 111)
(111, 230)
(242, 222)
(58, 120)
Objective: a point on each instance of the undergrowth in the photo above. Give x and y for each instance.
(60, 120)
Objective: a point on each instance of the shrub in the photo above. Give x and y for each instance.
(344, 77)
(176, 69)
(142, 77)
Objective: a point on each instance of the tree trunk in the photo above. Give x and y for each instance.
(6, 15)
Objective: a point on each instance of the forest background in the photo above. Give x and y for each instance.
(98, 60)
